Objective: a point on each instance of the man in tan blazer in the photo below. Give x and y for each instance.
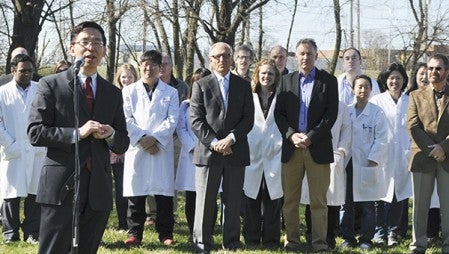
(428, 122)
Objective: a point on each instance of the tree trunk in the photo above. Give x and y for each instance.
(192, 27)
(291, 25)
(178, 60)
(26, 27)
(333, 64)
(112, 41)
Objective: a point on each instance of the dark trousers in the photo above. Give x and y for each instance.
(433, 223)
(11, 218)
(368, 215)
(190, 209)
(121, 203)
(388, 218)
(164, 218)
(333, 214)
(262, 221)
(55, 234)
(404, 219)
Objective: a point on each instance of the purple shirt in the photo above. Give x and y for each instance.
(305, 92)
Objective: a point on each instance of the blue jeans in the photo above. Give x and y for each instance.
(368, 216)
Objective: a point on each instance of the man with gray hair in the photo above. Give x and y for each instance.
(280, 55)
(306, 109)
(221, 151)
(243, 58)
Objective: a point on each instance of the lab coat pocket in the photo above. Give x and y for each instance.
(370, 176)
(12, 151)
(368, 134)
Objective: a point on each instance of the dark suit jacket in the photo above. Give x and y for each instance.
(210, 120)
(322, 113)
(51, 124)
(427, 127)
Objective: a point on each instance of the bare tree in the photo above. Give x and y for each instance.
(292, 22)
(192, 10)
(228, 16)
(338, 32)
(113, 16)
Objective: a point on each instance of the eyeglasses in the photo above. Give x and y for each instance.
(218, 57)
(95, 43)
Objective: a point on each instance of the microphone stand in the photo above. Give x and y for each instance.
(76, 195)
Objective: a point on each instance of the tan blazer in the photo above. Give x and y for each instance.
(427, 127)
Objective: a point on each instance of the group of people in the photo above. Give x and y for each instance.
(267, 139)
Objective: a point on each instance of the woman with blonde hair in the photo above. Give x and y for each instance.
(262, 185)
(126, 74)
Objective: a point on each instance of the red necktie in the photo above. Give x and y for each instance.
(87, 89)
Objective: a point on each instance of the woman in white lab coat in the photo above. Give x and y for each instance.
(365, 182)
(341, 136)
(394, 103)
(262, 185)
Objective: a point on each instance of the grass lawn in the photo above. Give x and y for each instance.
(113, 241)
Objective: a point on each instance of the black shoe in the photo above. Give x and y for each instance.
(417, 252)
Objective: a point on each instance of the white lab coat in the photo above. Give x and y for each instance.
(185, 176)
(146, 174)
(346, 95)
(265, 146)
(21, 163)
(369, 135)
(341, 143)
(397, 176)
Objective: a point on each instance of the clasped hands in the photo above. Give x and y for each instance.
(300, 140)
(98, 130)
(149, 144)
(437, 153)
(223, 146)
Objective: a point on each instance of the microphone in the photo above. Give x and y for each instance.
(78, 64)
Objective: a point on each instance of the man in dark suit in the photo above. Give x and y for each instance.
(428, 123)
(103, 128)
(305, 112)
(222, 114)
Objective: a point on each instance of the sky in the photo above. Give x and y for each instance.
(315, 19)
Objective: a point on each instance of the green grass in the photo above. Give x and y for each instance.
(113, 241)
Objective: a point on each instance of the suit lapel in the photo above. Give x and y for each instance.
(444, 103)
(430, 101)
(316, 86)
(70, 82)
(215, 88)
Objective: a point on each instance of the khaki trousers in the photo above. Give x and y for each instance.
(318, 177)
